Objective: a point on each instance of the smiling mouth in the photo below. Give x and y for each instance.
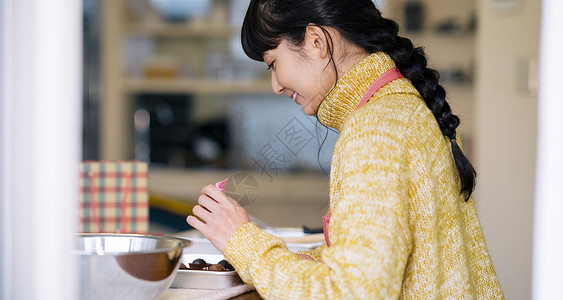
(294, 97)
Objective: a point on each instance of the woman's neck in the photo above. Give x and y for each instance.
(345, 96)
(346, 53)
(349, 61)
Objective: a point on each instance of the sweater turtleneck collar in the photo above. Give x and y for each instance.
(345, 96)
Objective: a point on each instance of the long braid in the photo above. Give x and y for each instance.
(412, 63)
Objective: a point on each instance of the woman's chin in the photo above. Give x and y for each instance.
(308, 111)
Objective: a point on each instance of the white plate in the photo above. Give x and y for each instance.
(203, 279)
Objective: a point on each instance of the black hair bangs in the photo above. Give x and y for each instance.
(258, 34)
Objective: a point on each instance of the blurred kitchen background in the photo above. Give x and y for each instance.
(167, 82)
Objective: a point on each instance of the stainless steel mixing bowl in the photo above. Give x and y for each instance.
(127, 266)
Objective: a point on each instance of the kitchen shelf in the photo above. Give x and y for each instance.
(189, 43)
(193, 40)
(198, 86)
(434, 35)
(181, 30)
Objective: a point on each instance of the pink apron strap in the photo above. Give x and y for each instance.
(326, 220)
(382, 80)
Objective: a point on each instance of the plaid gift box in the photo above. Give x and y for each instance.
(113, 197)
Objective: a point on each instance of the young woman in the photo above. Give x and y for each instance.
(402, 222)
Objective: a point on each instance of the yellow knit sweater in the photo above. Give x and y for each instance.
(399, 227)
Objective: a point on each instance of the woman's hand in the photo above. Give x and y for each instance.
(217, 216)
(303, 256)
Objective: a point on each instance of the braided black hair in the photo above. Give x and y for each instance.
(268, 22)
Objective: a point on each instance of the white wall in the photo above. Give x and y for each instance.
(548, 236)
(505, 140)
(40, 109)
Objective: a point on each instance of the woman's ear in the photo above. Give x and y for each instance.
(318, 40)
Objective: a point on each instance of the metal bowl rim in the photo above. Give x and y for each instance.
(182, 241)
(207, 272)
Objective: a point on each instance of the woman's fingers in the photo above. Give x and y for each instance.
(217, 195)
(208, 203)
(201, 213)
(217, 216)
(202, 220)
(195, 222)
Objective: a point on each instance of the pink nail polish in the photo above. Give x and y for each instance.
(221, 184)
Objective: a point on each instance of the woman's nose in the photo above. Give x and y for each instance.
(276, 86)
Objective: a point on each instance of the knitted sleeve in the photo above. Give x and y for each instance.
(315, 254)
(370, 243)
